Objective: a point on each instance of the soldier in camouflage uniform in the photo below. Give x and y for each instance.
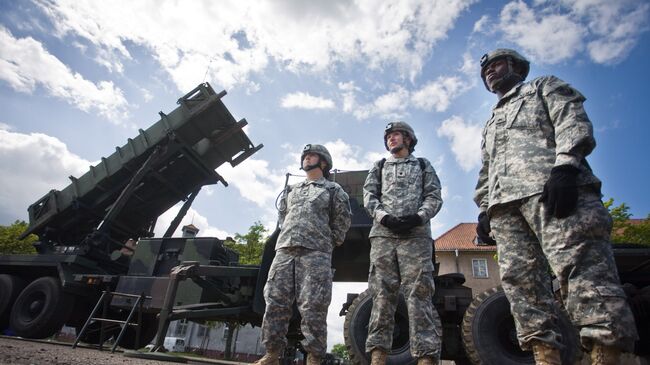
(541, 201)
(314, 218)
(401, 194)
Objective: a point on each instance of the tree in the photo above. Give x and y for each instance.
(341, 351)
(623, 231)
(250, 246)
(9, 242)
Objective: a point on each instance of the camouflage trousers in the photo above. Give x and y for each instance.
(304, 276)
(578, 252)
(404, 263)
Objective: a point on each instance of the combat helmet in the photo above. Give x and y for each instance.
(512, 56)
(321, 151)
(401, 127)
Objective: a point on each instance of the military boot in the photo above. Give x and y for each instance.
(313, 359)
(378, 357)
(605, 355)
(545, 354)
(270, 358)
(427, 360)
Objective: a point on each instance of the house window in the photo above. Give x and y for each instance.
(479, 268)
(181, 328)
(203, 331)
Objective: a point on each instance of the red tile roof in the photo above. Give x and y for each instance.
(461, 237)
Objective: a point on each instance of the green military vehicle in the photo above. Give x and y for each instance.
(86, 273)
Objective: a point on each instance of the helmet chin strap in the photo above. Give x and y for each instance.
(511, 77)
(398, 148)
(313, 166)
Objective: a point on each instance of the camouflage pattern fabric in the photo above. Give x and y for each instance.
(580, 255)
(406, 262)
(535, 126)
(305, 276)
(305, 216)
(405, 190)
(402, 260)
(301, 270)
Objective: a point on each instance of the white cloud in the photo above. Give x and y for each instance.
(554, 31)
(305, 101)
(465, 141)
(30, 166)
(438, 94)
(236, 39)
(480, 24)
(26, 64)
(549, 38)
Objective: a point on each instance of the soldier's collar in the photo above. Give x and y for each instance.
(319, 181)
(509, 94)
(410, 157)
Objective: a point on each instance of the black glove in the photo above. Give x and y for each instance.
(483, 229)
(409, 222)
(560, 195)
(391, 222)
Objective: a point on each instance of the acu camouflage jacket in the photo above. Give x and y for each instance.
(535, 126)
(305, 216)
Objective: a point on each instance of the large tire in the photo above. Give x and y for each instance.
(41, 309)
(10, 288)
(490, 337)
(355, 331)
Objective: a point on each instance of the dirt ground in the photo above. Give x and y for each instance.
(18, 352)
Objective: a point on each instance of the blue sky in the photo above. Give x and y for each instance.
(78, 78)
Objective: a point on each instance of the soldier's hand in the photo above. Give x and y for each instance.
(560, 195)
(391, 222)
(410, 221)
(483, 229)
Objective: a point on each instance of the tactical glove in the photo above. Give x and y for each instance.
(560, 195)
(483, 229)
(391, 222)
(409, 222)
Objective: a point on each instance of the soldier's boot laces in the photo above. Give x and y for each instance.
(378, 357)
(545, 354)
(427, 360)
(313, 359)
(270, 358)
(605, 355)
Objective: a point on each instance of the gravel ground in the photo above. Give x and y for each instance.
(19, 352)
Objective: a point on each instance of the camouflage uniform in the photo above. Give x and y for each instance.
(535, 126)
(405, 258)
(301, 269)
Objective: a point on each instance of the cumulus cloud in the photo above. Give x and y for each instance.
(553, 31)
(26, 64)
(30, 166)
(305, 101)
(435, 95)
(234, 39)
(465, 141)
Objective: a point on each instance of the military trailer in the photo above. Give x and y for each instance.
(85, 230)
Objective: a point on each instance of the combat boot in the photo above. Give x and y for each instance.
(313, 359)
(605, 355)
(546, 354)
(270, 358)
(378, 357)
(427, 360)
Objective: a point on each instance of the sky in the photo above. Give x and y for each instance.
(78, 78)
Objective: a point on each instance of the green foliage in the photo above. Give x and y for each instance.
(341, 351)
(250, 246)
(9, 242)
(623, 230)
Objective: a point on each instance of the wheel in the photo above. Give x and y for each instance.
(41, 309)
(148, 329)
(10, 288)
(355, 331)
(490, 337)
